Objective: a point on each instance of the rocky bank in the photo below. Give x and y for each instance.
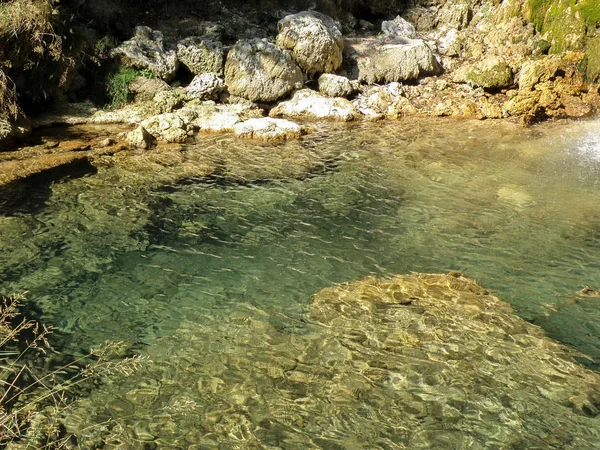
(485, 59)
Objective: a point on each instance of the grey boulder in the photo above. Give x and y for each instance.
(146, 50)
(314, 39)
(260, 71)
(201, 54)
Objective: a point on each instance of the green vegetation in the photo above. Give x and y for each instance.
(115, 83)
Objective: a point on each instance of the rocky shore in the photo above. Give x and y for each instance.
(478, 59)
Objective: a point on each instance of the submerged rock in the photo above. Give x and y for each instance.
(314, 39)
(439, 357)
(260, 71)
(146, 50)
(309, 104)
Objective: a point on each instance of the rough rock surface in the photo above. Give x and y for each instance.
(336, 86)
(260, 71)
(268, 129)
(145, 89)
(201, 54)
(490, 73)
(374, 60)
(310, 105)
(146, 50)
(139, 138)
(398, 28)
(314, 39)
(207, 86)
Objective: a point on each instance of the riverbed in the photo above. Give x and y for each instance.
(148, 254)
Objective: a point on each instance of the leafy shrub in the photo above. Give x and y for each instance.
(117, 80)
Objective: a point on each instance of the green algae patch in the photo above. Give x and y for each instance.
(565, 22)
(591, 61)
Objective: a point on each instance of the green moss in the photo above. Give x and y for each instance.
(112, 85)
(567, 22)
(592, 61)
(536, 12)
(590, 11)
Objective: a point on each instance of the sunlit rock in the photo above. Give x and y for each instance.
(314, 39)
(398, 28)
(260, 71)
(268, 129)
(311, 105)
(139, 138)
(374, 60)
(207, 86)
(490, 73)
(336, 86)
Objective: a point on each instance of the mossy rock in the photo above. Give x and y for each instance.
(565, 23)
(592, 61)
(491, 73)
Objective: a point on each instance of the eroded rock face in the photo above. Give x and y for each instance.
(260, 71)
(207, 86)
(314, 39)
(309, 104)
(201, 54)
(146, 50)
(375, 60)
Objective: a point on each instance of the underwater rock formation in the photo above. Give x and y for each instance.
(414, 361)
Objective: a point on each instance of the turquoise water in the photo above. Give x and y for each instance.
(148, 245)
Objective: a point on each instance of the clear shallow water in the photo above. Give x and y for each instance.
(148, 256)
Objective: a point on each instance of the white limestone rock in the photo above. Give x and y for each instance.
(268, 129)
(307, 104)
(314, 39)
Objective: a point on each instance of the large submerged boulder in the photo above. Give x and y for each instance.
(376, 60)
(415, 361)
(146, 50)
(260, 71)
(314, 39)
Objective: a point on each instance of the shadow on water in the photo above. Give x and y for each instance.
(29, 195)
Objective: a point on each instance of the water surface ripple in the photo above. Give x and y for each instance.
(140, 255)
